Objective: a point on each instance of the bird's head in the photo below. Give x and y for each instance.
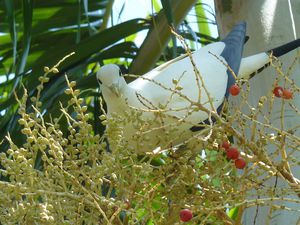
(109, 76)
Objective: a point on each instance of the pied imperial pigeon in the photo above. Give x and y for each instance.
(168, 96)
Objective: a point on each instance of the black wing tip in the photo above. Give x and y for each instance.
(241, 23)
(239, 27)
(233, 51)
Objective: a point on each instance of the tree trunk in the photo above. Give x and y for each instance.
(269, 24)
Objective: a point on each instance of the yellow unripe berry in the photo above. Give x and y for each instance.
(55, 70)
(46, 69)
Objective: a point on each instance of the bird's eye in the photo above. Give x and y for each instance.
(120, 73)
(99, 81)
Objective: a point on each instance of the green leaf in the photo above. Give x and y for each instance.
(158, 37)
(12, 28)
(27, 21)
(168, 12)
(107, 15)
(233, 213)
(211, 155)
(155, 5)
(156, 205)
(202, 23)
(150, 222)
(91, 45)
(158, 161)
(216, 182)
(141, 212)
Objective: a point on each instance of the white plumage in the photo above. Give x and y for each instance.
(172, 112)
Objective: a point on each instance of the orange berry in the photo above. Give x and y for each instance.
(186, 215)
(232, 153)
(278, 91)
(287, 94)
(240, 163)
(234, 90)
(225, 145)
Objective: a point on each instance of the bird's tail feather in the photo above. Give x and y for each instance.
(283, 49)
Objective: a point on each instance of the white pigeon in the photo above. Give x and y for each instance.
(167, 117)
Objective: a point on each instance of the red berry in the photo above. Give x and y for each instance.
(234, 90)
(287, 94)
(240, 163)
(278, 91)
(186, 215)
(232, 153)
(225, 145)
